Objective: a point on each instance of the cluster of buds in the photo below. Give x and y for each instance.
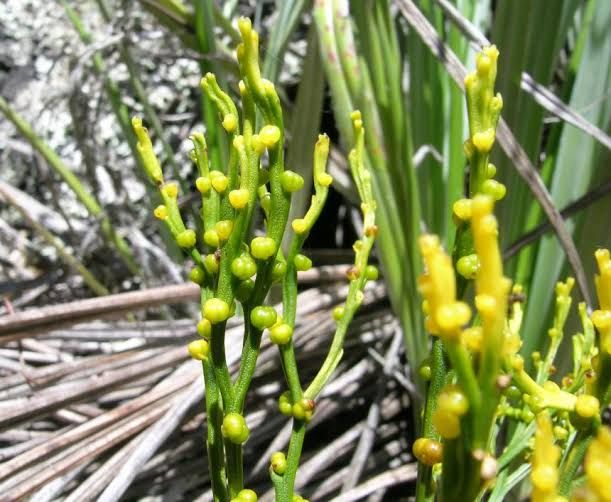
(231, 265)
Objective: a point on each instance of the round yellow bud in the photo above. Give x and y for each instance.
(216, 310)
(278, 462)
(238, 198)
(170, 190)
(484, 140)
(203, 184)
(263, 248)
(299, 225)
(587, 406)
(211, 238)
(199, 349)
(544, 478)
(324, 179)
(230, 122)
(204, 328)
(186, 239)
(446, 423)
(223, 229)
(219, 181)
(462, 209)
(269, 135)
(161, 212)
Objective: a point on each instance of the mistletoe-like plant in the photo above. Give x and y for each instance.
(233, 266)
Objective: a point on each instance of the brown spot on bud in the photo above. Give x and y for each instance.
(353, 273)
(371, 231)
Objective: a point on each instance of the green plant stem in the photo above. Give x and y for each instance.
(289, 365)
(250, 353)
(573, 461)
(219, 362)
(519, 440)
(214, 442)
(424, 488)
(235, 469)
(285, 484)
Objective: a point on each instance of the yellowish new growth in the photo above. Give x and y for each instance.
(446, 316)
(602, 318)
(544, 461)
(145, 148)
(598, 465)
(491, 286)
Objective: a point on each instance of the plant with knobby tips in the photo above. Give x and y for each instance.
(484, 407)
(233, 266)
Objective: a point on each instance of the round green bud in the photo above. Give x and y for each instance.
(527, 416)
(291, 181)
(263, 248)
(247, 496)
(302, 263)
(204, 328)
(197, 275)
(211, 264)
(468, 266)
(263, 317)
(278, 462)
(303, 409)
(338, 312)
(284, 404)
(513, 393)
(199, 349)
(186, 239)
(244, 290)
(298, 411)
(211, 238)
(372, 273)
(490, 170)
(243, 267)
(234, 428)
(425, 372)
(493, 188)
(216, 310)
(281, 334)
(278, 270)
(266, 202)
(203, 184)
